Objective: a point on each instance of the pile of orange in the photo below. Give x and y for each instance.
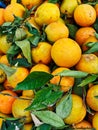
(56, 53)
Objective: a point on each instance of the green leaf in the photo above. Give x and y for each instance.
(44, 98)
(72, 30)
(8, 70)
(39, 98)
(44, 127)
(34, 80)
(53, 1)
(88, 80)
(94, 48)
(50, 118)
(34, 40)
(20, 34)
(95, 25)
(73, 73)
(64, 106)
(25, 47)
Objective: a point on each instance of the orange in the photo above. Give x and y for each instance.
(95, 121)
(4, 60)
(91, 98)
(28, 93)
(6, 101)
(20, 74)
(7, 85)
(4, 44)
(18, 108)
(96, 9)
(13, 9)
(2, 76)
(65, 82)
(83, 34)
(83, 124)
(46, 13)
(66, 52)
(42, 53)
(84, 15)
(40, 67)
(56, 30)
(88, 63)
(28, 126)
(30, 3)
(78, 111)
(1, 16)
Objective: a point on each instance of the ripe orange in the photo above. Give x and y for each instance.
(83, 33)
(88, 63)
(95, 121)
(42, 53)
(96, 9)
(18, 108)
(91, 98)
(40, 67)
(30, 3)
(4, 44)
(66, 52)
(78, 111)
(56, 30)
(13, 9)
(28, 93)
(4, 60)
(46, 13)
(84, 15)
(83, 124)
(1, 16)
(65, 82)
(7, 101)
(20, 74)
(28, 126)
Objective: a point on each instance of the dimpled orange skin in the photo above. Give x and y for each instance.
(7, 101)
(84, 15)
(66, 52)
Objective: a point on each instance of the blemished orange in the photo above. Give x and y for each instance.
(1, 16)
(4, 60)
(88, 63)
(13, 9)
(42, 53)
(91, 98)
(83, 124)
(65, 82)
(30, 3)
(95, 121)
(84, 15)
(20, 74)
(83, 33)
(96, 9)
(2, 76)
(66, 52)
(6, 101)
(18, 108)
(56, 30)
(46, 13)
(78, 111)
(40, 67)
